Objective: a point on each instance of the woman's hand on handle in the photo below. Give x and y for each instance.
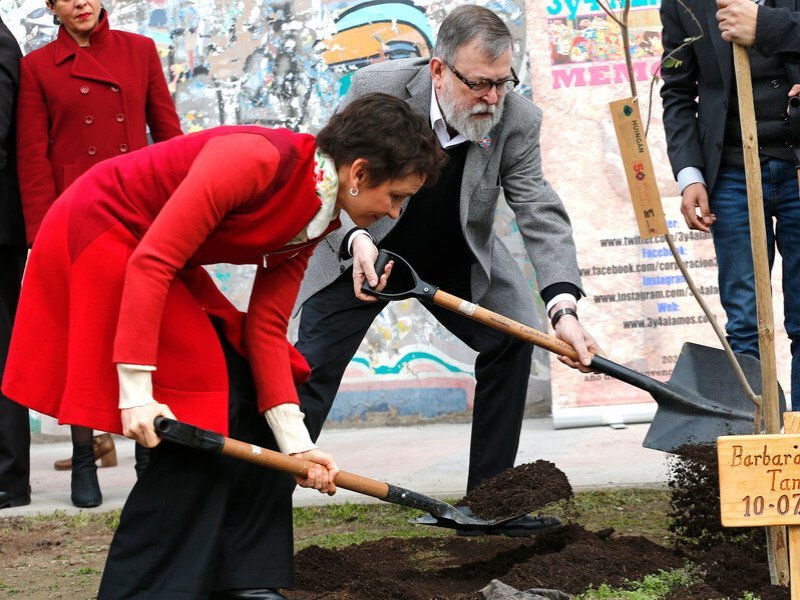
(137, 422)
(321, 475)
(365, 253)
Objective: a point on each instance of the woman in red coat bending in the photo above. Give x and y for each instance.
(87, 96)
(117, 310)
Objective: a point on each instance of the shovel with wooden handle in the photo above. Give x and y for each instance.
(701, 401)
(442, 514)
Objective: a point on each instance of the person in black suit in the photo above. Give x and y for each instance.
(15, 435)
(704, 142)
(769, 29)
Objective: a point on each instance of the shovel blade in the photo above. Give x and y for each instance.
(456, 519)
(705, 373)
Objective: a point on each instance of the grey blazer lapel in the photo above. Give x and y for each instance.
(475, 165)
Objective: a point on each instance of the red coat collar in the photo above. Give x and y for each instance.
(67, 47)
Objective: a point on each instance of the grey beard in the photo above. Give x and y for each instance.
(463, 122)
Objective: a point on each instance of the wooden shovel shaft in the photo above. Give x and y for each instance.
(300, 467)
(497, 321)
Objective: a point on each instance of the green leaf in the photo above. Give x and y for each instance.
(671, 63)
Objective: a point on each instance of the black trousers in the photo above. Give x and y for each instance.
(196, 523)
(333, 324)
(15, 433)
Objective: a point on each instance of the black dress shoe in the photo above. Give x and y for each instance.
(250, 594)
(519, 527)
(11, 499)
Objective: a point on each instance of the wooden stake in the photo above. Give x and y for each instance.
(776, 536)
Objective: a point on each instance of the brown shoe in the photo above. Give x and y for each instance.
(104, 451)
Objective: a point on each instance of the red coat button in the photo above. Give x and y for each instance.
(114, 88)
(84, 89)
(120, 118)
(89, 119)
(123, 147)
(92, 151)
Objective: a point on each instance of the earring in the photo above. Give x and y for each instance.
(56, 20)
(353, 193)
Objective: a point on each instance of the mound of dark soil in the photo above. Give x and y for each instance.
(518, 491)
(568, 558)
(732, 558)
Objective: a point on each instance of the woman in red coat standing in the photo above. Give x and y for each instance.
(117, 310)
(85, 97)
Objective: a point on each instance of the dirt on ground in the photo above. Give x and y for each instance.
(567, 558)
(63, 557)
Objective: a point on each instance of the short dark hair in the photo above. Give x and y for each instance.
(383, 130)
(466, 23)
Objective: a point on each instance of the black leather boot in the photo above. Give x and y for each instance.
(85, 487)
(251, 594)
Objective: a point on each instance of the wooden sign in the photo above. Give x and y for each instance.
(759, 479)
(638, 168)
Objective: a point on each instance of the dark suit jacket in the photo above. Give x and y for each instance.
(778, 31)
(696, 91)
(12, 228)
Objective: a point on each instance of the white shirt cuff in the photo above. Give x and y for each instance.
(689, 175)
(286, 422)
(135, 385)
(560, 298)
(353, 236)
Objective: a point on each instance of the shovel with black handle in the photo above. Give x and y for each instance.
(442, 514)
(702, 400)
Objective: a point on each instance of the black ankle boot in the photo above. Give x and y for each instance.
(142, 456)
(85, 488)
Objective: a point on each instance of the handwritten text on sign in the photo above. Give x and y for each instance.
(759, 480)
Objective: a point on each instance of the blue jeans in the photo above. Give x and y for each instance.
(734, 256)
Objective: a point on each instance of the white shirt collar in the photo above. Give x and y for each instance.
(440, 127)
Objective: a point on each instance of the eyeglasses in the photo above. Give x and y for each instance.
(482, 86)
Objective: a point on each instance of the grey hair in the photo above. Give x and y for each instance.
(467, 23)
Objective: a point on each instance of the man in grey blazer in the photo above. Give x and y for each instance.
(446, 233)
(704, 142)
(14, 431)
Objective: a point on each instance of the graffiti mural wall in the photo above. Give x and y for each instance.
(286, 64)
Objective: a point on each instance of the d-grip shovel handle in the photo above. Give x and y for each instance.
(421, 290)
(216, 443)
(794, 125)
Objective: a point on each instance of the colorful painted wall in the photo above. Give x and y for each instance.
(286, 64)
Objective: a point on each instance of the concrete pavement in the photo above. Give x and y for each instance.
(430, 459)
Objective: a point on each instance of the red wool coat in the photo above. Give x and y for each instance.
(78, 106)
(115, 276)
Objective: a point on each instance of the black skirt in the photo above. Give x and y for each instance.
(195, 523)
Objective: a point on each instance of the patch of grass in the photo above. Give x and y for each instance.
(339, 525)
(79, 520)
(651, 587)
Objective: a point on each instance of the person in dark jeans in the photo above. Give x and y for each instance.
(704, 142)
